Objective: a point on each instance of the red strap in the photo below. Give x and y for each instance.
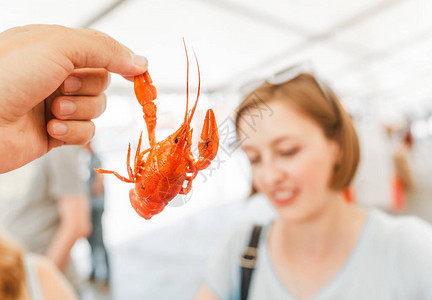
(349, 195)
(398, 192)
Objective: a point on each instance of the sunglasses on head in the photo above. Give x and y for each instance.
(290, 73)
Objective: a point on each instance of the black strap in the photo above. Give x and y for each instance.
(248, 260)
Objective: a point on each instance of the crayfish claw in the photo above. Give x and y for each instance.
(209, 143)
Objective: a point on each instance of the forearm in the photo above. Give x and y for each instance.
(74, 224)
(61, 245)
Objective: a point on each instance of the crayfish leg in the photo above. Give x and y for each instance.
(102, 171)
(185, 190)
(139, 155)
(191, 170)
(136, 163)
(129, 169)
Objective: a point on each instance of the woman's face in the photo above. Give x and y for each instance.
(292, 161)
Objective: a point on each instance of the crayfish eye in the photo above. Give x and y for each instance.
(176, 140)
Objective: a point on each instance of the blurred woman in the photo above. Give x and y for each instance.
(29, 277)
(303, 156)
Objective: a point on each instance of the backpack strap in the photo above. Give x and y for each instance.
(248, 260)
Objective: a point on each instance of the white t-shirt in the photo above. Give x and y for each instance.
(32, 278)
(392, 260)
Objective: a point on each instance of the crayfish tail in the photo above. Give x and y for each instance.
(143, 208)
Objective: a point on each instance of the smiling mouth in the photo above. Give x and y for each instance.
(283, 197)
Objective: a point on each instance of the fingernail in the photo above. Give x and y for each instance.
(139, 60)
(59, 128)
(67, 107)
(72, 84)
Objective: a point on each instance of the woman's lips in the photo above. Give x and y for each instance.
(283, 197)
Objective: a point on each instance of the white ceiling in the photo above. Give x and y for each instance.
(375, 53)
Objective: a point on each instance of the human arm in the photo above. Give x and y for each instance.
(41, 66)
(205, 293)
(74, 224)
(67, 189)
(53, 285)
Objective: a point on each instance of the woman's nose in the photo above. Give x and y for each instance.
(273, 173)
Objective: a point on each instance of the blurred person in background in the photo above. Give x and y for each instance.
(413, 167)
(25, 276)
(100, 267)
(44, 206)
(403, 181)
(303, 155)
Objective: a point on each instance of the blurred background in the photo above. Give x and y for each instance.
(375, 54)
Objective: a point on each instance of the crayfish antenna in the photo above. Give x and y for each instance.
(199, 87)
(187, 84)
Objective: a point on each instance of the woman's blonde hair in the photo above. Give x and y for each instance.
(320, 104)
(12, 272)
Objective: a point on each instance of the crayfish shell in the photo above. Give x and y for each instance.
(143, 207)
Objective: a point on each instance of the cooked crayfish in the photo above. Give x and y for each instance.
(161, 175)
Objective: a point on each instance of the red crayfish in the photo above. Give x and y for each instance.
(161, 175)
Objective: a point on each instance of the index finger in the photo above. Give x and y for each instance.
(45, 55)
(94, 49)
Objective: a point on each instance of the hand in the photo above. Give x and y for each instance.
(52, 80)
